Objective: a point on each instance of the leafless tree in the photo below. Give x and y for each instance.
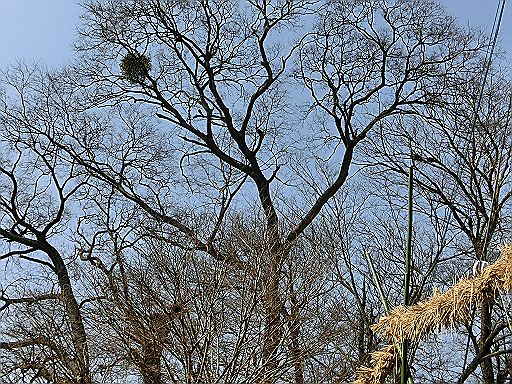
(183, 114)
(219, 73)
(35, 191)
(462, 159)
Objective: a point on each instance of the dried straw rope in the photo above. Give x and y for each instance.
(446, 310)
(384, 363)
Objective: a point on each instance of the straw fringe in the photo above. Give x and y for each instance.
(384, 362)
(444, 310)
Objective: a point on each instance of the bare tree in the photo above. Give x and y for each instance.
(462, 160)
(171, 312)
(237, 106)
(218, 73)
(35, 191)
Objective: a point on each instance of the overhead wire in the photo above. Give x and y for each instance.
(488, 59)
(496, 29)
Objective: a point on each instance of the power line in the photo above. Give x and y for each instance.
(488, 58)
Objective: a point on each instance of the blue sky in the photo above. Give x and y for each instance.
(44, 30)
(481, 13)
(39, 30)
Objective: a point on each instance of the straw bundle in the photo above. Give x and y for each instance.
(451, 308)
(384, 362)
(446, 310)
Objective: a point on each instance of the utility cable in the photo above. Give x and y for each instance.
(488, 66)
(488, 59)
(492, 45)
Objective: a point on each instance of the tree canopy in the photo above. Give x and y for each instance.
(192, 199)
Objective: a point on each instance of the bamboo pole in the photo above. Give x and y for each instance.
(404, 374)
(377, 282)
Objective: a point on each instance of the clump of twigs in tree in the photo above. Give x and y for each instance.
(135, 67)
(446, 310)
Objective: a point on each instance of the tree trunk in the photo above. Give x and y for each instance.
(150, 367)
(78, 335)
(486, 365)
(297, 356)
(273, 331)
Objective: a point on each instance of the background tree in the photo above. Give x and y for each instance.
(46, 337)
(233, 64)
(213, 144)
(462, 167)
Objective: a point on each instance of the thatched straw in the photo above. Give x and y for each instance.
(451, 308)
(384, 362)
(446, 310)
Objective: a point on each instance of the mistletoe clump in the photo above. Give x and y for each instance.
(135, 67)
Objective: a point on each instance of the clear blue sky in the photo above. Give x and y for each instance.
(43, 30)
(481, 13)
(39, 30)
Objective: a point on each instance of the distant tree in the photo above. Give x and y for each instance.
(190, 112)
(45, 337)
(462, 166)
